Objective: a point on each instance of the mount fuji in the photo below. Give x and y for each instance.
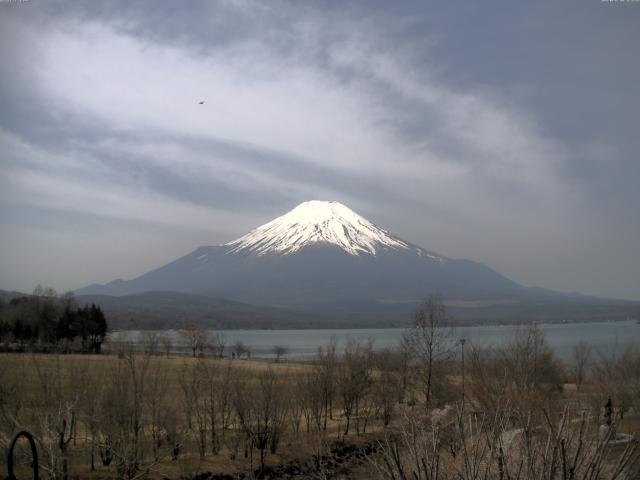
(323, 257)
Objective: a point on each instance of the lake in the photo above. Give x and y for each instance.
(605, 337)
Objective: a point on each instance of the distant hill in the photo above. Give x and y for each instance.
(7, 296)
(167, 310)
(160, 310)
(172, 310)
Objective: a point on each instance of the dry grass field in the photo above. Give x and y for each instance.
(356, 413)
(40, 390)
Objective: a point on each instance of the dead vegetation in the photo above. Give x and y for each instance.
(353, 411)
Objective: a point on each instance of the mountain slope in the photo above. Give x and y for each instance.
(7, 296)
(320, 255)
(321, 264)
(315, 222)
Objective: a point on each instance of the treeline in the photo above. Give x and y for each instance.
(46, 321)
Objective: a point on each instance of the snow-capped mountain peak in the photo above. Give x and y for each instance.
(317, 222)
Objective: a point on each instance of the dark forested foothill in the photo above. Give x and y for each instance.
(46, 321)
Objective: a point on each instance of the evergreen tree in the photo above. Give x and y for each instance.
(97, 328)
(17, 301)
(5, 329)
(66, 327)
(46, 318)
(23, 331)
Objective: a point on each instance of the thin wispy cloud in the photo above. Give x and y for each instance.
(301, 103)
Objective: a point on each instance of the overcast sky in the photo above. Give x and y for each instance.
(502, 132)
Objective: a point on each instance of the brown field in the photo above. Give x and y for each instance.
(32, 377)
(139, 415)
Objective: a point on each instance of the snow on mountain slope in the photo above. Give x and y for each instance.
(284, 264)
(318, 222)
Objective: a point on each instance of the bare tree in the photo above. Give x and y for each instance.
(150, 341)
(123, 420)
(196, 338)
(45, 306)
(354, 377)
(13, 386)
(313, 399)
(429, 341)
(387, 383)
(617, 375)
(279, 351)
(488, 448)
(297, 400)
(197, 381)
(239, 349)
(173, 428)
(327, 361)
(57, 404)
(580, 354)
(212, 404)
(90, 401)
(523, 374)
(68, 300)
(224, 397)
(261, 410)
(217, 344)
(155, 403)
(167, 343)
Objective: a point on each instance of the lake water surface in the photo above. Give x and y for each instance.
(605, 337)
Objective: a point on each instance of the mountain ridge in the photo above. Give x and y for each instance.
(321, 257)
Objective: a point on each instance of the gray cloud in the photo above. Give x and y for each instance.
(475, 132)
